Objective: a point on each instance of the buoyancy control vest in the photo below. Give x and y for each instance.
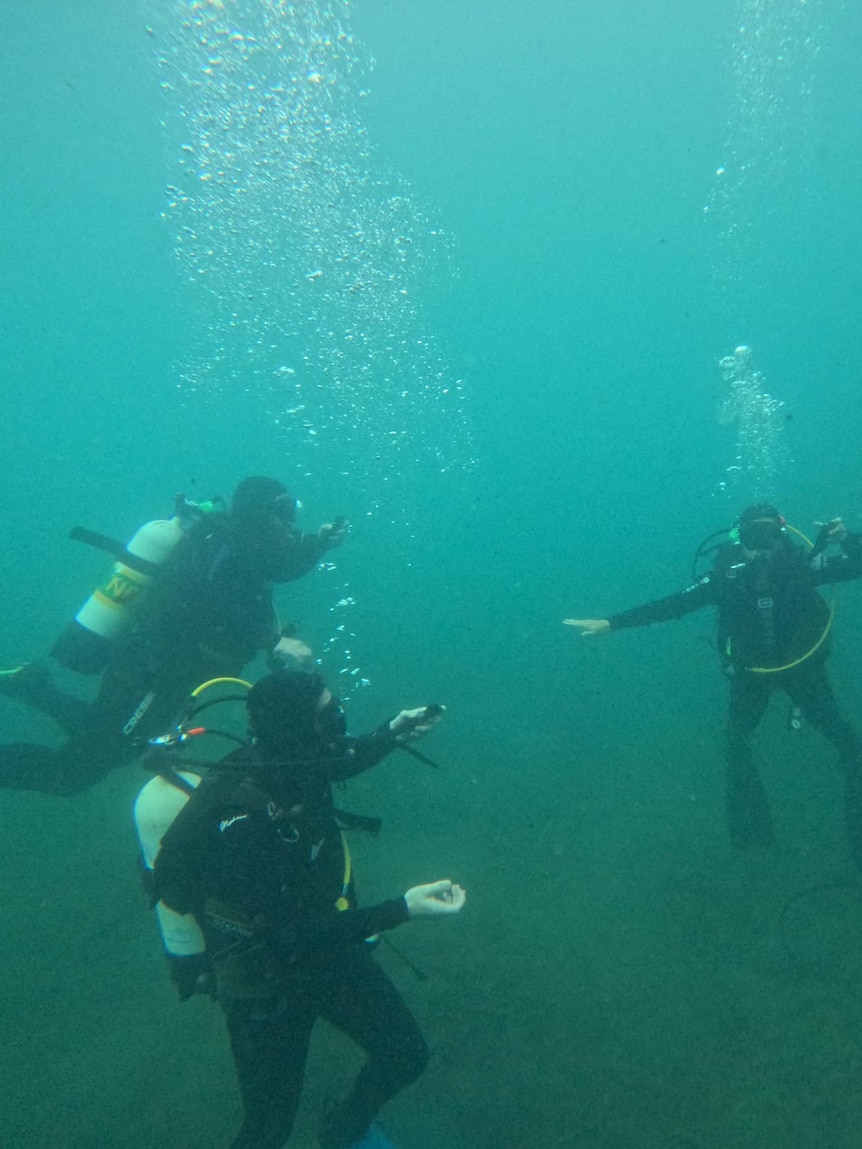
(770, 618)
(156, 808)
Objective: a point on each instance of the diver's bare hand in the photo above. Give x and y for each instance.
(436, 898)
(410, 724)
(589, 627)
(333, 534)
(837, 530)
(292, 653)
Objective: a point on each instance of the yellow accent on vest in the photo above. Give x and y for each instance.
(802, 658)
(342, 902)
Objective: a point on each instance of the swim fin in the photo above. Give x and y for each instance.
(375, 1138)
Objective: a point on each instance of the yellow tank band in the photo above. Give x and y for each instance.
(122, 571)
(116, 597)
(119, 589)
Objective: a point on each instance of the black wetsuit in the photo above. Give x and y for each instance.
(208, 614)
(770, 615)
(259, 859)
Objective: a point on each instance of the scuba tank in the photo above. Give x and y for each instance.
(85, 644)
(159, 803)
(155, 809)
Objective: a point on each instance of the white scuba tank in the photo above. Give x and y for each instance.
(155, 809)
(108, 612)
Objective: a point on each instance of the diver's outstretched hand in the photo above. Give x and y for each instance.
(292, 653)
(588, 626)
(410, 724)
(435, 898)
(333, 534)
(836, 531)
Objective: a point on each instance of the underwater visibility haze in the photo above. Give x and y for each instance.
(537, 296)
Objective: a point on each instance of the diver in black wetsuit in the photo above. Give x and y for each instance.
(208, 613)
(773, 634)
(257, 856)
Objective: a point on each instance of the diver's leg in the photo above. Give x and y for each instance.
(109, 731)
(749, 818)
(86, 757)
(365, 1005)
(32, 685)
(29, 766)
(62, 771)
(811, 690)
(269, 1056)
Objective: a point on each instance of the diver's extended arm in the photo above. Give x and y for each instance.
(837, 568)
(694, 597)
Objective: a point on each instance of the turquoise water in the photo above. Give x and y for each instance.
(465, 273)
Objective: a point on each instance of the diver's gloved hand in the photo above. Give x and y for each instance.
(290, 653)
(588, 626)
(332, 534)
(836, 532)
(436, 898)
(191, 975)
(410, 724)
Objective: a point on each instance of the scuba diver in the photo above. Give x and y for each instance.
(773, 634)
(207, 610)
(255, 855)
